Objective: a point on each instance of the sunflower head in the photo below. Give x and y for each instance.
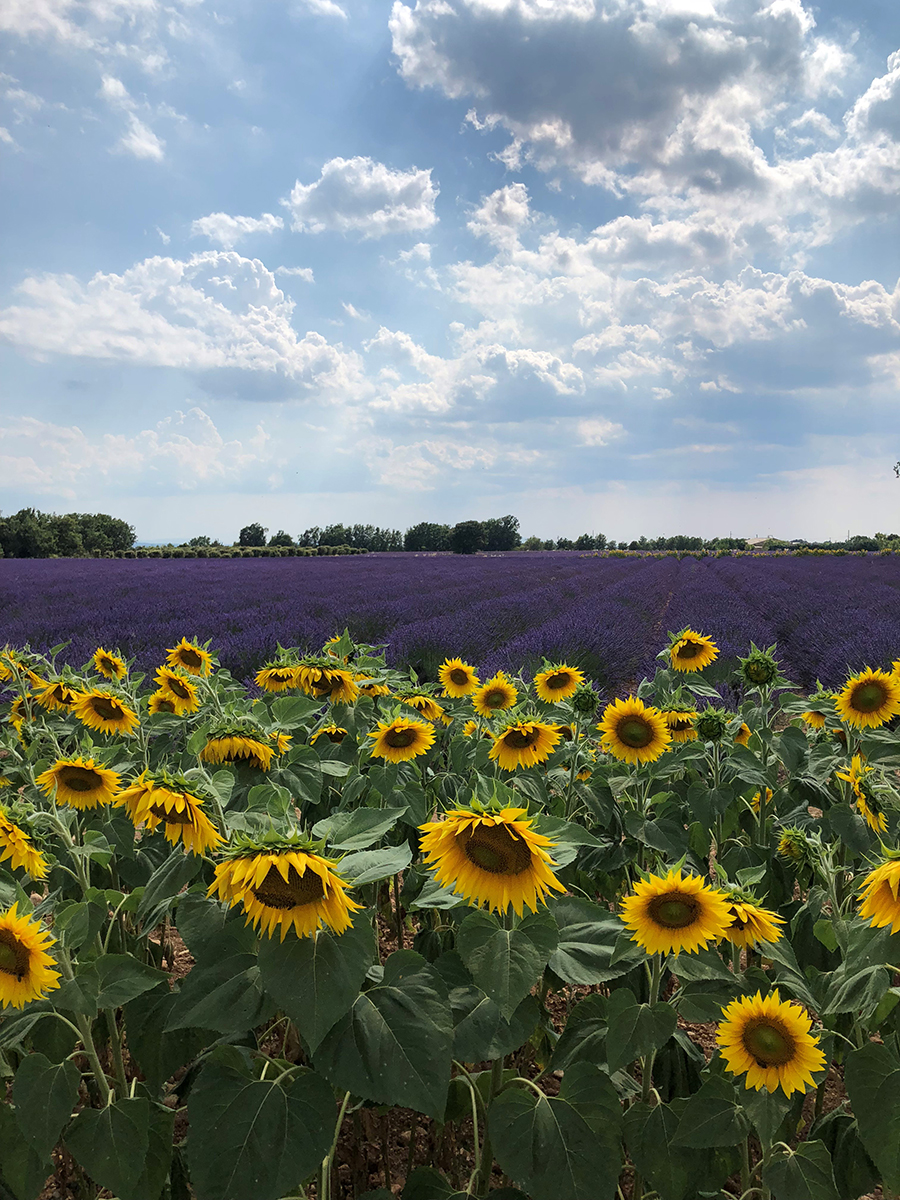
(105, 711)
(162, 702)
(79, 783)
(332, 733)
(557, 683)
(371, 687)
(712, 724)
(793, 844)
(742, 737)
(634, 732)
(585, 700)
(55, 695)
(756, 800)
(401, 739)
(869, 699)
(429, 708)
(277, 677)
(323, 680)
(180, 688)
(457, 677)
(190, 657)
(768, 1040)
(242, 743)
(494, 696)
(680, 717)
(110, 666)
(676, 914)
(759, 668)
(815, 720)
(880, 896)
(750, 923)
(524, 744)
(26, 969)
(17, 848)
(691, 651)
(160, 800)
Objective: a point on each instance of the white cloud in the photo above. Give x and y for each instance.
(228, 231)
(141, 141)
(325, 8)
(598, 431)
(358, 195)
(305, 273)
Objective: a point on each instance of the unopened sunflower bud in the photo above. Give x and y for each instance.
(585, 700)
(712, 724)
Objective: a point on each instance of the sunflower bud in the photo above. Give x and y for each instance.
(759, 668)
(585, 700)
(793, 844)
(712, 724)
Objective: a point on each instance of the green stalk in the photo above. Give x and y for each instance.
(398, 917)
(325, 1188)
(84, 1029)
(648, 1060)
(483, 1179)
(115, 1042)
(745, 1164)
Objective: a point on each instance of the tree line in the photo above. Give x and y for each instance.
(32, 534)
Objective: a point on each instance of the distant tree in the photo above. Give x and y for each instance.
(549, 544)
(281, 539)
(427, 536)
(27, 534)
(501, 533)
(253, 535)
(532, 543)
(200, 543)
(467, 537)
(335, 535)
(67, 535)
(584, 541)
(564, 543)
(100, 532)
(728, 543)
(309, 537)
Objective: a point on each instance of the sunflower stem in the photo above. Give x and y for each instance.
(483, 1180)
(745, 1165)
(648, 1060)
(87, 1040)
(115, 1043)
(572, 767)
(398, 914)
(325, 1189)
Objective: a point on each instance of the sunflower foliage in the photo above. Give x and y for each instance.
(338, 931)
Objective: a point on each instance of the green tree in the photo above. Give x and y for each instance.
(427, 536)
(309, 537)
(335, 535)
(201, 542)
(253, 535)
(281, 539)
(532, 543)
(67, 535)
(501, 533)
(467, 537)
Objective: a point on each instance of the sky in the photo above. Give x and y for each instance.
(619, 266)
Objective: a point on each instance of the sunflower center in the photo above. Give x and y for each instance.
(498, 850)
(517, 739)
(558, 681)
(190, 658)
(674, 910)
(107, 664)
(566, 732)
(172, 816)
(399, 739)
(494, 699)
(106, 709)
(688, 650)
(679, 724)
(62, 695)
(179, 689)
(868, 697)
(635, 733)
(80, 779)
(335, 735)
(459, 677)
(769, 1043)
(14, 957)
(758, 672)
(277, 892)
(163, 705)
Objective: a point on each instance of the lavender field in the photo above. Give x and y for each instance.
(609, 616)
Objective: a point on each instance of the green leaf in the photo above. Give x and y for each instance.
(802, 1174)
(108, 982)
(767, 1110)
(588, 940)
(426, 1183)
(251, 1137)
(22, 1170)
(792, 748)
(635, 1029)
(854, 1172)
(506, 963)
(394, 1044)
(369, 866)
(358, 829)
(861, 993)
(565, 1147)
(712, 1117)
(15, 1028)
(480, 1032)
(111, 1144)
(79, 923)
(44, 1094)
(316, 980)
(291, 711)
(159, 1054)
(872, 1079)
(674, 1172)
(210, 930)
(159, 1154)
(584, 1037)
(227, 996)
(166, 881)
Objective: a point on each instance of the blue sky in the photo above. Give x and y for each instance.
(618, 265)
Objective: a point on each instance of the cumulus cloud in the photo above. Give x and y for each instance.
(228, 231)
(361, 196)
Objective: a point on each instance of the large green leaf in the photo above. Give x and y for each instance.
(159, 1154)
(394, 1044)
(480, 1032)
(164, 884)
(854, 1172)
(673, 1171)
(801, 1174)
(565, 1147)
(872, 1079)
(588, 939)
(23, 1172)
(584, 1037)
(210, 930)
(112, 1143)
(158, 1053)
(227, 996)
(506, 963)
(358, 829)
(255, 1138)
(368, 866)
(316, 980)
(44, 1094)
(635, 1029)
(712, 1117)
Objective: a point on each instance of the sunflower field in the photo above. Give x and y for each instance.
(340, 934)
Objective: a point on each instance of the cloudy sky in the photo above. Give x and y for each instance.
(618, 265)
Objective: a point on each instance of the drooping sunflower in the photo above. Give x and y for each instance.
(188, 656)
(558, 683)
(164, 801)
(524, 744)
(17, 847)
(815, 720)
(182, 690)
(333, 684)
(26, 969)
(494, 696)
(104, 711)
(239, 745)
(282, 741)
(792, 844)
(769, 1040)
(869, 699)
(751, 924)
(110, 666)
(400, 740)
(692, 651)
(492, 858)
(277, 678)
(675, 914)
(79, 783)
(286, 885)
(18, 715)
(334, 733)
(742, 737)
(56, 696)
(162, 702)
(428, 708)
(880, 896)
(681, 723)
(634, 732)
(457, 677)
(756, 800)
(371, 687)
(866, 800)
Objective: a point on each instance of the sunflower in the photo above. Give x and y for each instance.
(457, 677)
(691, 651)
(751, 924)
(162, 702)
(18, 715)
(681, 723)
(675, 914)
(166, 802)
(188, 656)
(80, 783)
(430, 709)
(16, 845)
(25, 966)
(400, 739)
(282, 741)
(869, 699)
(330, 648)
(333, 684)
(491, 858)
(105, 711)
(371, 687)
(742, 737)
(238, 746)
(471, 728)
(524, 744)
(880, 895)
(634, 732)
(792, 844)
(288, 886)
(334, 733)
(756, 800)
(181, 689)
(277, 678)
(110, 666)
(814, 719)
(866, 800)
(768, 1039)
(558, 683)
(494, 696)
(56, 696)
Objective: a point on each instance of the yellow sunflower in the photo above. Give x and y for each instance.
(756, 801)
(288, 887)
(26, 969)
(79, 783)
(282, 741)
(681, 723)
(56, 696)
(634, 732)
(17, 847)
(188, 656)
(457, 677)
(18, 715)
(238, 746)
(866, 800)
(880, 895)
(751, 924)
(181, 689)
(162, 702)
(105, 712)
(334, 733)
(524, 744)
(494, 696)
(769, 1040)
(691, 651)
(371, 687)
(400, 739)
(277, 678)
(674, 914)
(792, 844)
(171, 806)
(491, 858)
(742, 737)
(471, 728)
(558, 683)
(110, 666)
(429, 709)
(814, 719)
(333, 684)
(869, 699)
